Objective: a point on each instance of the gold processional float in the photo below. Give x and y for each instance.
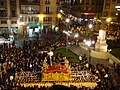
(56, 72)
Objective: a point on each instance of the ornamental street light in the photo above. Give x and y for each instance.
(59, 15)
(67, 33)
(88, 43)
(108, 20)
(67, 20)
(95, 22)
(76, 36)
(90, 26)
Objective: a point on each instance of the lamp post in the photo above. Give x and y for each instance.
(89, 43)
(90, 26)
(76, 36)
(67, 33)
(108, 20)
(96, 22)
(59, 17)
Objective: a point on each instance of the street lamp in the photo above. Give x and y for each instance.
(108, 20)
(67, 33)
(90, 26)
(96, 22)
(59, 15)
(76, 36)
(89, 43)
(67, 20)
(61, 10)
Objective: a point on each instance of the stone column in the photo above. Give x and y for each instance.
(18, 15)
(8, 17)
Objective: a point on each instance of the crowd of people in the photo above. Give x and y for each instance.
(30, 57)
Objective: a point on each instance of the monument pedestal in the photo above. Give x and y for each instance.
(101, 45)
(100, 55)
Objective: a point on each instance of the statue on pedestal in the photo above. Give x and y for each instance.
(101, 44)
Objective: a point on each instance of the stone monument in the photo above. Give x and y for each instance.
(101, 44)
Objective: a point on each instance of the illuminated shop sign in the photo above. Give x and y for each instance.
(118, 8)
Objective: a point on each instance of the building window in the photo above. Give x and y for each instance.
(1, 3)
(47, 19)
(36, 19)
(118, 1)
(47, 10)
(113, 14)
(4, 22)
(14, 22)
(30, 19)
(13, 13)
(87, 1)
(81, 1)
(36, 0)
(107, 7)
(105, 14)
(30, 9)
(57, 1)
(3, 13)
(26, 19)
(21, 19)
(30, 1)
(113, 1)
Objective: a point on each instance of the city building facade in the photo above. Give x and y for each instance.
(85, 10)
(111, 9)
(28, 17)
(8, 16)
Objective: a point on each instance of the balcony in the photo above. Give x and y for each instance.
(48, 13)
(30, 12)
(47, 22)
(24, 2)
